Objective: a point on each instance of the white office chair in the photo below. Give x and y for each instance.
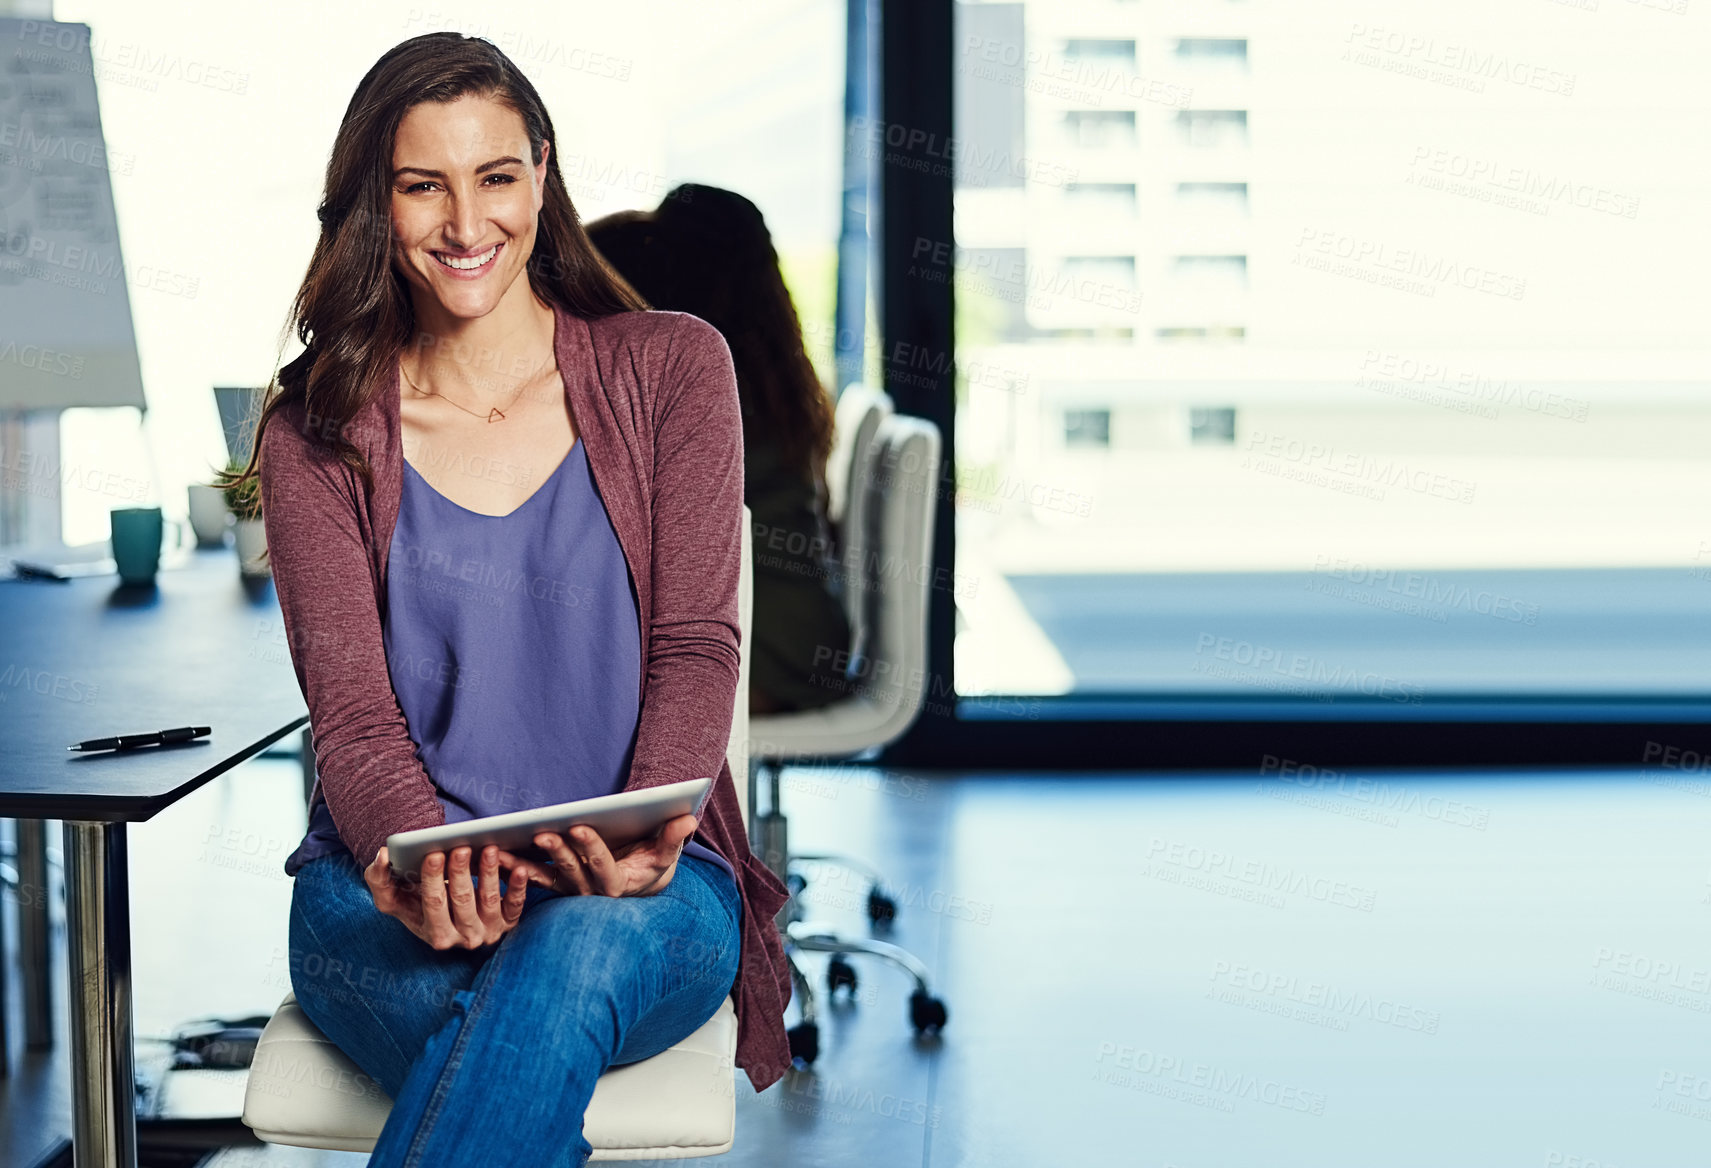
(890, 509)
(857, 416)
(299, 1090)
(849, 470)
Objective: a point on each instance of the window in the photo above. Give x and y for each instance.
(1087, 427)
(1101, 198)
(1098, 129)
(1400, 389)
(1222, 198)
(1216, 271)
(1212, 129)
(1100, 52)
(1212, 426)
(1118, 271)
(1213, 51)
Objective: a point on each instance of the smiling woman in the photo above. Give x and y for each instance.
(480, 330)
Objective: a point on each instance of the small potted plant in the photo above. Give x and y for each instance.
(243, 499)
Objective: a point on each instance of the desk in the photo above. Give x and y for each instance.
(89, 658)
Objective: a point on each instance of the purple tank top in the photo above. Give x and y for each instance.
(514, 646)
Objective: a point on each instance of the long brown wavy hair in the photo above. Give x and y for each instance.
(353, 311)
(706, 251)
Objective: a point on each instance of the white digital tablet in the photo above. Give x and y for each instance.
(620, 819)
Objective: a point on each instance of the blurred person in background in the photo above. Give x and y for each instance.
(707, 251)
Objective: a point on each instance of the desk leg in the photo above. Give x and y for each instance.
(98, 936)
(35, 938)
(308, 758)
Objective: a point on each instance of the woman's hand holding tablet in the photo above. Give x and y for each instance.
(441, 907)
(621, 819)
(422, 877)
(586, 867)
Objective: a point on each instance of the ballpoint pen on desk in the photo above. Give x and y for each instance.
(155, 738)
(28, 571)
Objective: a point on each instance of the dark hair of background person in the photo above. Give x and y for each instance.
(707, 252)
(353, 312)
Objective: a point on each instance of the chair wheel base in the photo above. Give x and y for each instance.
(804, 1042)
(927, 1014)
(840, 973)
(881, 909)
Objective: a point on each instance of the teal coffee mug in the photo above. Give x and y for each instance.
(136, 543)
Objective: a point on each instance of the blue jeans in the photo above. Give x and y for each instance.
(491, 1055)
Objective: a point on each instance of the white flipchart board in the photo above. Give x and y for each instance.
(65, 311)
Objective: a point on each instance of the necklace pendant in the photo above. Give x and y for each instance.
(493, 415)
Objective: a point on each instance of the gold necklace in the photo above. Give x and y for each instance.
(494, 414)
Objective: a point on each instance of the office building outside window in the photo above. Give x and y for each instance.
(1321, 354)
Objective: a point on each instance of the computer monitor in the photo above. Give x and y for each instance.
(239, 407)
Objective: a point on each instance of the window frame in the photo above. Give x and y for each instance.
(1145, 732)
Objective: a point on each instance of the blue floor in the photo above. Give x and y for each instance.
(1440, 971)
(1325, 971)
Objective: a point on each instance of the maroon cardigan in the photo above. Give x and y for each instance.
(654, 398)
